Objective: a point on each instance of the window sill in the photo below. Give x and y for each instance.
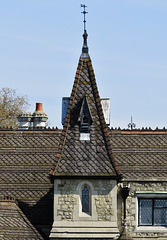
(85, 214)
(154, 229)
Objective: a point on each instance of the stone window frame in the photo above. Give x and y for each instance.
(149, 195)
(93, 213)
(81, 213)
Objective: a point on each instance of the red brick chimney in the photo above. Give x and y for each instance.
(39, 107)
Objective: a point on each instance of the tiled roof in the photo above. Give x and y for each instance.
(14, 224)
(25, 161)
(85, 158)
(26, 158)
(141, 154)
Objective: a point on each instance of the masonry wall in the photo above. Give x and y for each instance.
(144, 190)
(68, 215)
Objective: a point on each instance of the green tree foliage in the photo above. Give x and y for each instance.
(11, 105)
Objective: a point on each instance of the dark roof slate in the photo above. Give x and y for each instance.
(142, 155)
(26, 158)
(85, 158)
(25, 161)
(14, 224)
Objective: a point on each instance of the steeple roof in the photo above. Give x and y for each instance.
(92, 157)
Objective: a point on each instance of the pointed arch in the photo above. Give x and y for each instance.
(90, 210)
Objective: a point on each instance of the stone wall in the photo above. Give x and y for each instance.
(69, 219)
(68, 194)
(104, 208)
(65, 196)
(66, 203)
(144, 189)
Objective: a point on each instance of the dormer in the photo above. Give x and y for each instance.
(85, 120)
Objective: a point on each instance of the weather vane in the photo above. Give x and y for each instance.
(131, 125)
(84, 13)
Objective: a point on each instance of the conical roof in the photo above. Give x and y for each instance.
(92, 157)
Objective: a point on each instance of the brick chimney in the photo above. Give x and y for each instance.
(39, 107)
(36, 120)
(39, 118)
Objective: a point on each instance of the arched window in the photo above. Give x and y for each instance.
(85, 199)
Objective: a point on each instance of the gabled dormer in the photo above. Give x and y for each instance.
(85, 120)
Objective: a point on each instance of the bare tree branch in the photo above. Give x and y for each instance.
(11, 105)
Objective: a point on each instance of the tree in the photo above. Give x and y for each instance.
(11, 105)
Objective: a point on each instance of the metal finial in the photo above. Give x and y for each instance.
(84, 13)
(85, 35)
(131, 125)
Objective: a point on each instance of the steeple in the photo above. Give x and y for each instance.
(85, 50)
(85, 148)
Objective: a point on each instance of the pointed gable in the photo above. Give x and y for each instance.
(91, 157)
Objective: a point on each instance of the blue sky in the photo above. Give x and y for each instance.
(41, 41)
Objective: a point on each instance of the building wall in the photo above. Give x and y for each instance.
(68, 215)
(144, 190)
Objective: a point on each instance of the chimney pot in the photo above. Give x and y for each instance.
(39, 107)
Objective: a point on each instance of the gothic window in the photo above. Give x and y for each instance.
(152, 212)
(85, 197)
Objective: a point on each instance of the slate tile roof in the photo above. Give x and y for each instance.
(25, 161)
(85, 158)
(26, 158)
(141, 154)
(14, 224)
